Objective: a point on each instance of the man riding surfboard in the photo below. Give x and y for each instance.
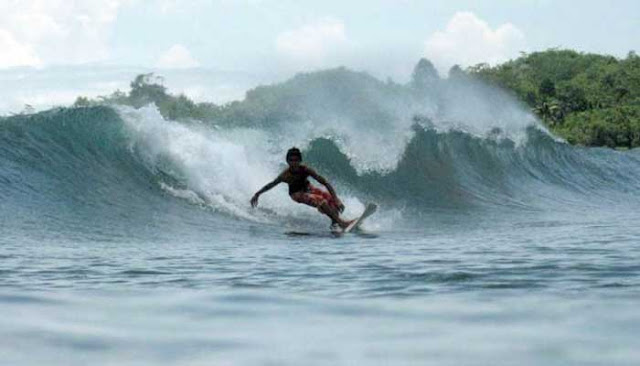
(301, 190)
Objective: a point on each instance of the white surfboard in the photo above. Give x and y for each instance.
(369, 210)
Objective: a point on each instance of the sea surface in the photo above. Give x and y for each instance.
(128, 239)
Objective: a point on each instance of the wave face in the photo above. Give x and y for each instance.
(118, 168)
(457, 170)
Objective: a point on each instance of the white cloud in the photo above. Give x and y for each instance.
(13, 53)
(468, 40)
(58, 31)
(319, 44)
(177, 57)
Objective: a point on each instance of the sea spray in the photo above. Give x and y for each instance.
(374, 141)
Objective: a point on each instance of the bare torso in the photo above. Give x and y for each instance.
(297, 180)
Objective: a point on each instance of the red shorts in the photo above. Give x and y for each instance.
(314, 197)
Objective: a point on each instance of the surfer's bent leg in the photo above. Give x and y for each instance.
(315, 197)
(322, 201)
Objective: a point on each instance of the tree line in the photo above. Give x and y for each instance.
(588, 99)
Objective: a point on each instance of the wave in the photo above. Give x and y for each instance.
(461, 146)
(455, 169)
(71, 170)
(122, 165)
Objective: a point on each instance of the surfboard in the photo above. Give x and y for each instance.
(369, 210)
(353, 228)
(310, 234)
(331, 234)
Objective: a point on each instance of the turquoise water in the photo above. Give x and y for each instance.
(129, 239)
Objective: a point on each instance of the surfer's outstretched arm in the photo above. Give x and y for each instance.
(275, 182)
(325, 183)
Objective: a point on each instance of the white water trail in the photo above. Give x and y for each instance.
(222, 167)
(219, 169)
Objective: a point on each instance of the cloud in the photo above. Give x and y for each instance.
(319, 44)
(177, 57)
(57, 31)
(468, 40)
(13, 53)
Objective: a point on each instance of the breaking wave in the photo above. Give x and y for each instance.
(121, 164)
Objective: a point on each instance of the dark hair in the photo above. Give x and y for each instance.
(294, 151)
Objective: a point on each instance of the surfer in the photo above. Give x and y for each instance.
(301, 190)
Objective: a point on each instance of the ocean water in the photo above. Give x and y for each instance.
(128, 239)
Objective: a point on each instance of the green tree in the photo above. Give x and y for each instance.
(589, 99)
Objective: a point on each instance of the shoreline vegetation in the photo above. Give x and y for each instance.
(587, 99)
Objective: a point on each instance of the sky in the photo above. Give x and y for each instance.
(274, 39)
(280, 36)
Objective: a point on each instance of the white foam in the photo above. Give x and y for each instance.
(226, 166)
(378, 145)
(222, 169)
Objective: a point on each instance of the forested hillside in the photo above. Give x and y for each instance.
(588, 99)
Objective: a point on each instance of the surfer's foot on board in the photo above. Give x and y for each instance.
(335, 227)
(340, 226)
(346, 223)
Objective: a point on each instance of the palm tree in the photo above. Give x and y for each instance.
(549, 111)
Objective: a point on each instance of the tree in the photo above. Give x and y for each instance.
(547, 88)
(82, 102)
(589, 99)
(424, 75)
(456, 73)
(549, 111)
(146, 89)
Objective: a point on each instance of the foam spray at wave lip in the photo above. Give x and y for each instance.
(221, 167)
